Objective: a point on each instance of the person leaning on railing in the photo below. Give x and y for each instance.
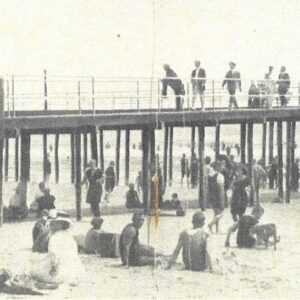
(175, 83)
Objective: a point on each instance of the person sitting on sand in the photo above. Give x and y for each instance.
(40, 224)
(61, 263)
(243, 225)
(34, 206)
(92, 236)
(132, 198)
(195, 244)
(46, 201)
(132, 252)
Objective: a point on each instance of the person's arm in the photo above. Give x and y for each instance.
(128, 237)
(175, 252)
(231, 229)
(208, 256)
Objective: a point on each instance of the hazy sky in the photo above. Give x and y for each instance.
(115, 38)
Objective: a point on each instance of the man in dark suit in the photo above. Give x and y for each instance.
(175, 84)
(283, 85)
(232, 80)
(198, 82)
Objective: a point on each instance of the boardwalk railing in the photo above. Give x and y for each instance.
(38, 93)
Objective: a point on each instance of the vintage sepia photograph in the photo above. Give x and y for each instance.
(149, 149)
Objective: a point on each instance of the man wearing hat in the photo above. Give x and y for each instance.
(233, 81)
(132, 252)
(244, 238)
(194, 244)
(198, 82)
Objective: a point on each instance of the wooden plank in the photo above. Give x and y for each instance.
(101, 149)
(16, 158)
(56, 157)
(118, 144)
(264, 142)
(165, 166)
(78, 174)
(127, 155)
(6, 162)
(217, 141)
(171, 156)
(288, 162)
(280, 159)
(243, 142)
(250, 160)
(201, 143)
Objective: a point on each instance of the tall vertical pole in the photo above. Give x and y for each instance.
(25, 160)
(93, 95)
(45, 135)
(166, 156)
(16, 158)
(101, 149)
(145, 167)
(78, 173)
(85, 159)
(280, 159)
(56, 157)
(127, 155)
(264, 142)
(193, 129)
(243, 142)
(6, 159)
(79, 97)
(171, 156)
(13, 96)
(288, 161)
(217, 141)
(201, 141)
(94, 144)
(1, 147)
(152, 145)
(271, 141)
(72, 144)
(250, 160)
(293, 141)
(118, 143)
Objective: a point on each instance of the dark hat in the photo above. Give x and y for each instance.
(198, 218)
(97, 221)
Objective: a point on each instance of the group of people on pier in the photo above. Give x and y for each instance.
(258, 96)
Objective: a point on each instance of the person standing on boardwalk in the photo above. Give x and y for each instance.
(198, 83)
(171, 79)
(93, 176)
(270, 87)
(283, 85)
(109, 180)
(233, 81)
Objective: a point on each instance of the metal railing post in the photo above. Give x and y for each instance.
(298, 93)
(7, 98)
(79, 98)
(13, 95)
(93, 95)
(213, 94)
(45, 91)
(138, 95)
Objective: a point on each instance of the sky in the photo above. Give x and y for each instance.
(134, 38)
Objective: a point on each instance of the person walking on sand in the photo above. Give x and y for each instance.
(93, 177)
(110, 180)
(198, 80)
(233, 81)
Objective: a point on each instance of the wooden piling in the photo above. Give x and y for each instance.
(271, 141)
(145, 167)
(45, 156)
(250, 160)
(78, 174)
(288, 161)
(171, 156)
(193, 131)
(6, 162)
(101, 149)
(85, 158)
(72, 142)
(94, 145)
(151, 132)
(118, 143)
(1, 147)
(280, 159)
(264, 142)
(25, 156)
(217, 141)
(127, 155)
(16, 158)
(293, 141)
(56, 158)
(201, 141)
(165, 173)
(243, 142)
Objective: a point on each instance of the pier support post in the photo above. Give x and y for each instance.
(145, 167)
(271, 141)
(1, 147)
(72, 136)
(264, 143)
(250, 160)
(16, 158)
(293, 141)
(94, 151)
(25, 163)
(101, 149)
(45, 156)
(6, 159)
(193, 130)
(127, 155)
(280, 159)
(217, 141)
(118, 142)
(243, 143)
(201, 141)
(56, 158)
(165, 174)
(78, 173)
(85, 158)
(171, 156)
(288, 161)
